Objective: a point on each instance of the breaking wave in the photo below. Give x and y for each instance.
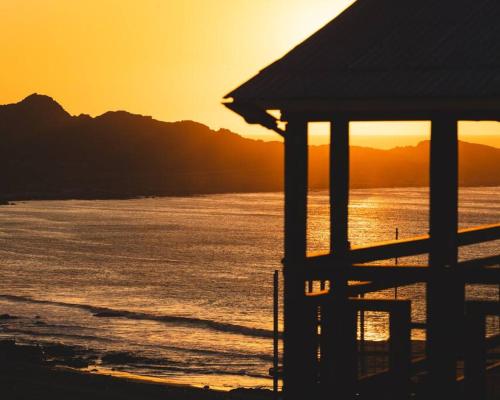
(104, 312)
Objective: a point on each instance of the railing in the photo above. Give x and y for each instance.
(387, 276)
(370, 278)
(404, 247)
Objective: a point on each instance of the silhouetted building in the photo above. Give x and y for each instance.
(383, 60)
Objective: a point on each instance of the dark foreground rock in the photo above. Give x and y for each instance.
(26, 374)
(13, 356)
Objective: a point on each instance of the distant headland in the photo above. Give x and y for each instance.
(46, 153)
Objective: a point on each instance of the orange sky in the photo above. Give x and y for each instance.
(172, 59)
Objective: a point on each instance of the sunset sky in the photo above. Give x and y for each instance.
(172, 59)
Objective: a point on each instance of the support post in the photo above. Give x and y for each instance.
(400, 348)
(300, 322)
(475, 355)
(338, 329)
(275, 333)
(445, 289)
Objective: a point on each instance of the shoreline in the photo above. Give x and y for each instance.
(25, 374)
(11, 199)
(98, 362)
(61, 363)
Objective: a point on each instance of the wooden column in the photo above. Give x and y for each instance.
(400, 348)
(475, 355)
(300, 330)
(338, 334)
(339, 186)
(445, 289)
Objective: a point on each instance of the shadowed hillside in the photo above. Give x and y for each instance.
(47, 153)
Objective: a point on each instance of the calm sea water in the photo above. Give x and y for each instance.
(181, 288)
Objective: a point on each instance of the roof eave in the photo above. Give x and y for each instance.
(371, 109)
(253, 114)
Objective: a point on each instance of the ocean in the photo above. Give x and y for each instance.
(180, 288)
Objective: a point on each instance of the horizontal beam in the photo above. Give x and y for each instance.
(374, 116)
(386, 273)
(383, 109)
(478, 234)
(493, 341)
(406, 247)
(377, 251)
(483, 308)
(482, 262)
(485, 276)
(370, 287)
(391, 249)
(392, 275)
(419, 325)
(356, 289)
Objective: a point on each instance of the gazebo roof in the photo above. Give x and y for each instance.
(387, 49)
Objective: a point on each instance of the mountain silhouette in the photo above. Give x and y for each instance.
(47, 153)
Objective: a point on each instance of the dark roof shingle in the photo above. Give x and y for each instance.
(391, 49)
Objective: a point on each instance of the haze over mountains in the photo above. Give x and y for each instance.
(47, 153)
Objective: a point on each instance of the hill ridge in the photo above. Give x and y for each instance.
(47, 153)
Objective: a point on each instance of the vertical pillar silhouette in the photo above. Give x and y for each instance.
(400, 348)
(475, 354)
(338, 318)
(445, 291)
(300, 326)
